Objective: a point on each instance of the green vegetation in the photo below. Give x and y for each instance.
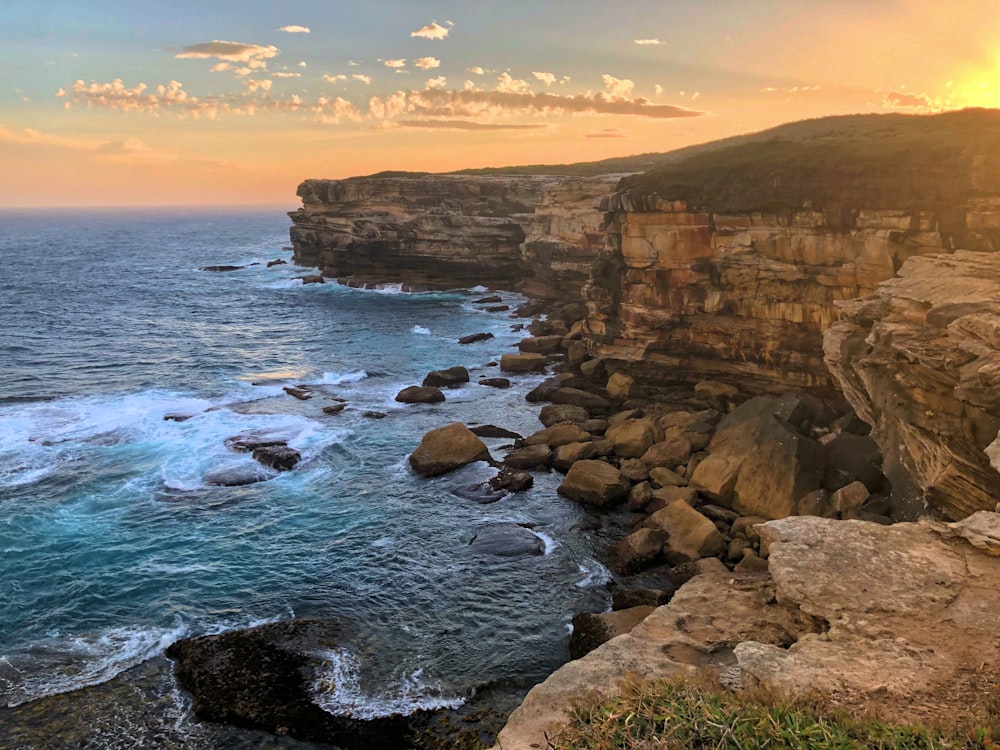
(696, 713)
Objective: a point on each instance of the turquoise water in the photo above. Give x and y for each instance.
(112, 543)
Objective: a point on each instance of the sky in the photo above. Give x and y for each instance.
(218, 102)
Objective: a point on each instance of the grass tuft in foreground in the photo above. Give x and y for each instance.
(682, 713)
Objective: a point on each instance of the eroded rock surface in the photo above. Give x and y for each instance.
(896, 619)
(920, 361)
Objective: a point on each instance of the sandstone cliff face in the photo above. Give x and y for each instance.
(448, 231)
(680, 295)
(920, 361)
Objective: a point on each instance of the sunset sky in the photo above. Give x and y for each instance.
(104, 102)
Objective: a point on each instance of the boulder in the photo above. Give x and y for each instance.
(716, 476)
(592, 368)
(532, 457)
(667, 495)
(301, 392)
(591, 630)
(248, 442)
(450, 378)
(565, 456)
(488, 300)
(313, 279)
(816, 503)
(276, 262)
(223, 269)
(237, 476)
(777, 464)
(633, 438)
(474, 338)
(420, 394)
(447, 448)
(540, 345)
(558, 434)
(495, 382)
(548, 327)
(334, 408)
(639, 496)
(634, 470)
(713, 390)
(662, 477)
(594, 483)
(497, 308)
(850, 497)
(619, 386)
(670, 452)
(512, 481)
(638, 551)
(556, 413)
(278, 457)
(492, 431)
(626, 598)
(691, 534)
(576, 397)
(523, 362)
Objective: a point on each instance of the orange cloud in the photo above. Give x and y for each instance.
(295, 29)
(426, 63)
(230, 51)
(905, 100)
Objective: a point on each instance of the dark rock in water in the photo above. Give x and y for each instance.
(530, 308)
(473, 338)
(222, 268)
(492, 431)
(506, 540)
(420, 394)
(237, 476)
(279, 457)
(495, 382)
(497, 308)
(449, 378)
(334, 408)
(313, 279)
(177, 417)
(300, 392)
(276, 262)
(488, 300)
(512, 481)
(261, 678)
(248, 442)
(374, 414)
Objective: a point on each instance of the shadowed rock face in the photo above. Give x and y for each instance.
(448, 231)
(920, 361)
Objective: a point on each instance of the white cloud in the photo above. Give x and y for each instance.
(437, 83)
(427, 63)
(695, 95)
(647, 42)
(400, 63)
(363, 78)
(334, 79)
(220, 67)
(471, 86)
(432, 30)
(547, 78)
(230, 51)
(302, 64)
(508, 85)
(618, 87)
(353, 64)
(295, 29)
(476, 70)
(658, 89)
(287, 75)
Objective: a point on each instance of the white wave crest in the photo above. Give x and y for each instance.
(337, 690)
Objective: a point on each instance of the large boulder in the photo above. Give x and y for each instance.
(523, 362)
(670, 452)
(540, 345)
(558, 434)
(453, 376)
(530, 457)
(556, 413)
(278, 457)
(594, 483)
(638, 550)
(448, 448)
(565, 456)
(691, 534)
(420, 394)
(774, 464)
(506, 540)
(634, 437)
(578, 397)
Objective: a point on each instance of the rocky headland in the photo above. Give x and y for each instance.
(788, 354)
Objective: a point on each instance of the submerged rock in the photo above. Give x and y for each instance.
(237, 476)
(222, 269)
(507, 540)
(474, 338)
(279, 457)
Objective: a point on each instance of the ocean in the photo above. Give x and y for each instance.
(124, 370)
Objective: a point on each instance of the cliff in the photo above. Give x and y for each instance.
(920, 361)
(728, 264)
(540, 232)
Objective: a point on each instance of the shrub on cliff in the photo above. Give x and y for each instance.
(698, 713)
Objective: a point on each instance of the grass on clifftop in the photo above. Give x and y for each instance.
(696, 713)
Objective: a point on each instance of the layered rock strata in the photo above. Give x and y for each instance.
(920, 361)
(847, 608)
(445, 231)
(682, 294)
